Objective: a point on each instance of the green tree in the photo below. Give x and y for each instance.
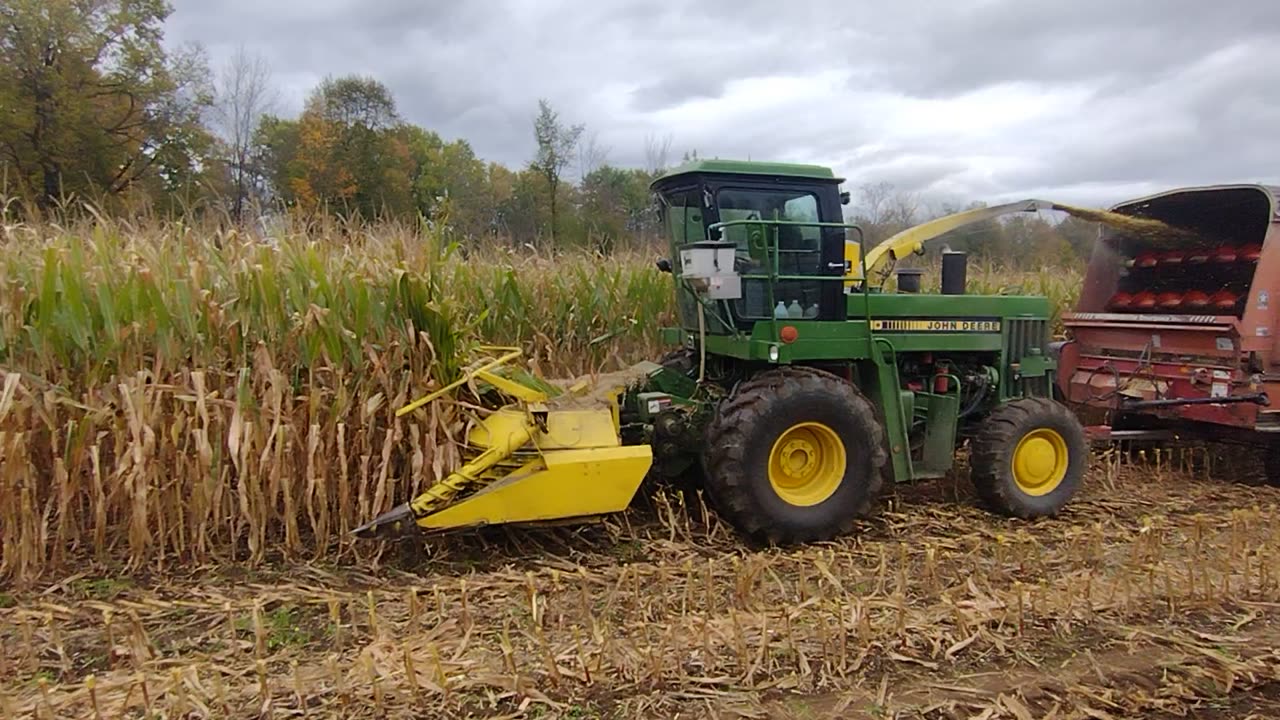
(319, 177)
(449, 182)
(275, 150)
(348, 152)
(499, 186)
(360, 115)
(93, 101)
(615, 204)
(524, 210)
(556, 143)
(1035, 242)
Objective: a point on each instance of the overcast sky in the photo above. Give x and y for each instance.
(1088, 101)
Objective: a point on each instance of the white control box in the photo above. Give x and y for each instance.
(708, 267)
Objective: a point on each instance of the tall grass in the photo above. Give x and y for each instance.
(172, 394)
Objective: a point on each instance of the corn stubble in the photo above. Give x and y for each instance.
(1113, 611)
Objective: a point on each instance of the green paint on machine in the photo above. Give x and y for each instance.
(794, 312)
(749, 168)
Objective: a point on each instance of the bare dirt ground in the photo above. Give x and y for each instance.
(1156, 595)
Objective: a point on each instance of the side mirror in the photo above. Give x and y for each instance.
(664, 265)
(844, 198)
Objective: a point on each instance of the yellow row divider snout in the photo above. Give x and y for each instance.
(576, 466)
(467, 376)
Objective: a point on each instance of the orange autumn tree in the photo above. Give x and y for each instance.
(346, 153)
(319, 179)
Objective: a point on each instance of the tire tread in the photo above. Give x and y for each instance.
(991, 450)
(728, 478)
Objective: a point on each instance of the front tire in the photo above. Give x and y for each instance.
(794, 455)
(1029, 458)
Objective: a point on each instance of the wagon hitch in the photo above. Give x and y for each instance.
(1259, 398)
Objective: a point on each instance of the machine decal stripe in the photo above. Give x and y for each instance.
(1138, 317)
(980, 325)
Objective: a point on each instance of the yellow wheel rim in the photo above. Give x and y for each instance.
(1040, 462)
(806, 464)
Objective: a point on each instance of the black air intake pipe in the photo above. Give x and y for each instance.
(908, 279)
(954, 270)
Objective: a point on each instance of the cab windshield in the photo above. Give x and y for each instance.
(799, 249)
(799, 246)
(798, 263)
(682, 213)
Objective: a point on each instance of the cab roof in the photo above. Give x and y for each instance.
(748, 167)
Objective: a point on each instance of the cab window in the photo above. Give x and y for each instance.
(683, 211)
(799, 249)
(799, 246)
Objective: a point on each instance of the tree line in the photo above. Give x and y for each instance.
(96, 108)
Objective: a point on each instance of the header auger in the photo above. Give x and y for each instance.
(797, 384)
(554, 453)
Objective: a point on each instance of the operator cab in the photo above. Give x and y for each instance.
(771, 214)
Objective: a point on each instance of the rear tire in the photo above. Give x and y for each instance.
(1029, 458)
(794, 455)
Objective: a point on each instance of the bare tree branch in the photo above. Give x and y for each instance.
(591, 156)
(244, 96)
(655, 153)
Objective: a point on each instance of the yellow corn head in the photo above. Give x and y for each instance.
(552, 453)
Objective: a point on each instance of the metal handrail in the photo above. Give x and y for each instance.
(773, 249)
(772, 253)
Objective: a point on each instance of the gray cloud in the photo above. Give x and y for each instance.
(1109, 43)
(1091, 101)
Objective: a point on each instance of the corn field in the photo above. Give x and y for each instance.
(192, 421)
(172, 395)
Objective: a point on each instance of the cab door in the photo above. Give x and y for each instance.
(806, 255)
(841, 248)
(823, 205)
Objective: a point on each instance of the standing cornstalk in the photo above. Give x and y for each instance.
(169, 395)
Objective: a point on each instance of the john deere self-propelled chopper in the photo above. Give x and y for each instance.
(800, 381)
